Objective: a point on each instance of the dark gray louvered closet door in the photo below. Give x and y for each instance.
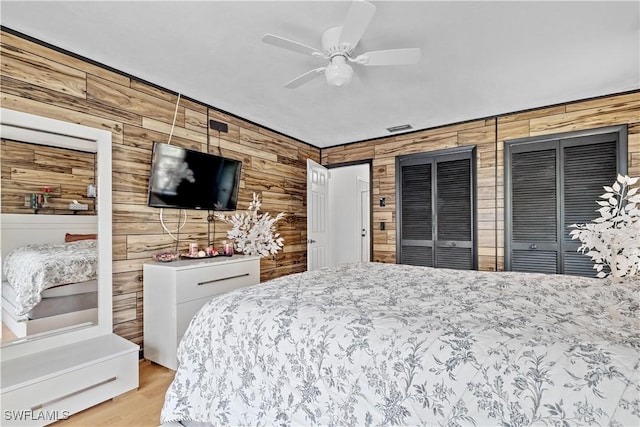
(550, 185)
(454, 240)
(436, 209)
(416, 215)
(586, 169)
(534, 207)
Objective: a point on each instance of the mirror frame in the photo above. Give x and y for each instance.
(34, 129)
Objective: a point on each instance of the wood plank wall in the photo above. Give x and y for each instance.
(605, 111)
(50, 83)
(26, 168)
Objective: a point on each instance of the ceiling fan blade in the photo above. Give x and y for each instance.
(390, 57)
(290, 45)
(304, 78)
(357, 20)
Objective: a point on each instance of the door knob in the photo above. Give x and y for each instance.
(311, 241)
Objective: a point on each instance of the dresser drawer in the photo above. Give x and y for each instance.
(211, 280)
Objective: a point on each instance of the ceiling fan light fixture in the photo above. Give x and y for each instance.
(338, 73)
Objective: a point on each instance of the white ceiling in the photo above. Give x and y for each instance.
(479, 58)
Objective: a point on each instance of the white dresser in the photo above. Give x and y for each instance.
(173, 292)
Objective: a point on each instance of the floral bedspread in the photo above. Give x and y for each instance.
(385, 344)
(33, 268)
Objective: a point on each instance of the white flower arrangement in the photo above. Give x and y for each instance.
(254, 233)
(613, 239)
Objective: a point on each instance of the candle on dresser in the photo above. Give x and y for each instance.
(193, 249)
(227, 248)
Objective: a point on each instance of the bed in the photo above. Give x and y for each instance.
(48, 283)
(385, 344)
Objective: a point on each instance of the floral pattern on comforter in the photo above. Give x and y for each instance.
(385, 344)
(33, 268)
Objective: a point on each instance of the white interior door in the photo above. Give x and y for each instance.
(317, 215)
(365, 220)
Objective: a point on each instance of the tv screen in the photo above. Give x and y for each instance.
(188, 179)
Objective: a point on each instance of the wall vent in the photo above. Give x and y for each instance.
(399, 128)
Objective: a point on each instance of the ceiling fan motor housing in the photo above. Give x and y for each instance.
(331, 42)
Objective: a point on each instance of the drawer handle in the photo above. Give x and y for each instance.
(224, 278)
(66, 396)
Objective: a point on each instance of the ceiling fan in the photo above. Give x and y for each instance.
(338, 44)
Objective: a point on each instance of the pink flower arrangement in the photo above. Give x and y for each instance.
(46, 192)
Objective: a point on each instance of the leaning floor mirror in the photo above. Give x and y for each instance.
(59, 355)
(55, 232)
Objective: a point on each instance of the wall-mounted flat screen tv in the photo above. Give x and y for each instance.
(189, 179)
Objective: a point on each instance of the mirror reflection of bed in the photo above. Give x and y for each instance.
(36, 256)
(49, 255)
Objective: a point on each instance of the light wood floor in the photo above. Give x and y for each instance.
(7, 335)
(136, 408)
